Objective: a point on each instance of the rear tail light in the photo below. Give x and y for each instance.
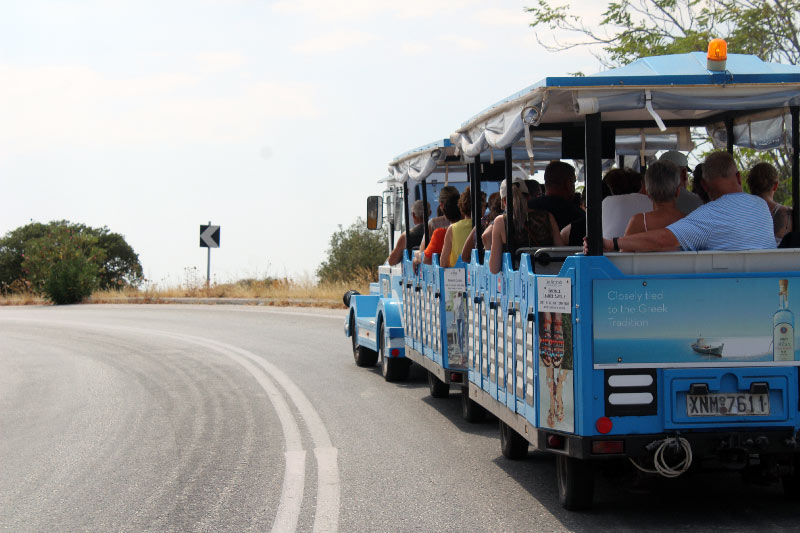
(555, 441)
(604, 425)
(395, 352)
(455, 377)
(607, 446)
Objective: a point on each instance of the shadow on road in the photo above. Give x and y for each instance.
(697, 501)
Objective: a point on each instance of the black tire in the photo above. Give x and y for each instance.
(470, 410)
(575, 480)
(438, 388)
(361, 355)
(791, 483)
(392, 368)
(512, 445)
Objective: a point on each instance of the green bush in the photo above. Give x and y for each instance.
(353, 253)
(63, 265)
(117, 267)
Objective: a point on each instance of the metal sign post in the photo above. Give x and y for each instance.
(209, 238)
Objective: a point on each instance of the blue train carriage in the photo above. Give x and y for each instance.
(433, 297)
(374, 321)
(664, 360)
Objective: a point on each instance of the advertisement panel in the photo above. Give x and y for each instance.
(695, 322)
(456, 317)
(556, 385)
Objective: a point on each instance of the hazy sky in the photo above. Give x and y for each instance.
(272, 119)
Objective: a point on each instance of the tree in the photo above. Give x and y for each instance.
(118, 266)
(12, 254)
(121, 267)
(353, 253)
(630, 29)
(63, 264)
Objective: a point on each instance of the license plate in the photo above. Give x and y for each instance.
(727, 404)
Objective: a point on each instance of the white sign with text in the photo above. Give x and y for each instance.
(555, 295)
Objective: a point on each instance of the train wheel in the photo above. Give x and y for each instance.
(791, 483)
(512, 444)
(392, 368)
(470, 410)
(438, 388)
(362, 356)
(575, 480)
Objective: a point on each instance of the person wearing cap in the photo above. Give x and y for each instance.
(532, 228)
(559, 192)
(733, 220)
(518, 180)
(687, 201)
(414, 235)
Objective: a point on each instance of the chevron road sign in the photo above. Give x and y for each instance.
(209, 236)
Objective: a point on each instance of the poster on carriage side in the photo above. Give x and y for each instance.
(556, 386)
(746, 321)
(456, 317)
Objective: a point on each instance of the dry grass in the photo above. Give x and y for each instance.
(285, 291)
(270, 292)
(22, 298)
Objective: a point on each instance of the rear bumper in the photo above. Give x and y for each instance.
(768, 441)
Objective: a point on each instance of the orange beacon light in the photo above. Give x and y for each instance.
(717, 55)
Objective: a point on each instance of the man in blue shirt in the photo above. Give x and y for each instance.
(733, 220)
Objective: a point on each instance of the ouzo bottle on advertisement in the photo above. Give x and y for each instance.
(783, 326)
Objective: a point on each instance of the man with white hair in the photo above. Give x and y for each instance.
(415, 234)
(687, 201)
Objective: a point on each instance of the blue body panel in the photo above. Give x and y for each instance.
(380, 308)
(505, 358)
(426, 314)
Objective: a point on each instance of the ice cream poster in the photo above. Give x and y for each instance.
(696, 322)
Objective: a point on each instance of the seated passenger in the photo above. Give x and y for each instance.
(575, 238)
(662, 181)
(441, 220)
(733, 220)
(518, 184)
(697, 183)
(452, 214)
(414, 236)
(457, 232)
(763, 181)
(532, 228)
(494, 210)
(559, 191)
(534, 189)
(628, 198)
(687, 201)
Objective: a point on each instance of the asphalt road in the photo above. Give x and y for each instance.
(237, 418)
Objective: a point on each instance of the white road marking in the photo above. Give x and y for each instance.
(326, 516)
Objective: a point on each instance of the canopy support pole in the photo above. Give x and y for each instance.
(509, 204)
(408, 218)
(476, 176)
(729, 133)
(795, 111)
(593, 169)
(475, 187)
(424, 210)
